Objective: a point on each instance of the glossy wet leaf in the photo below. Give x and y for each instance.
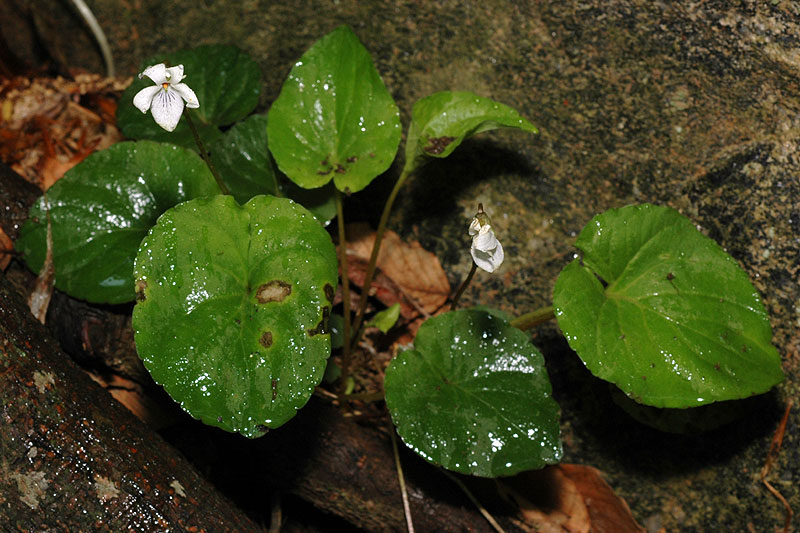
(232, 309)
(334, 118)
(243, 161)
(227, 82)
(440, 122)
(678, 325)
(473, 396)
(103, 207)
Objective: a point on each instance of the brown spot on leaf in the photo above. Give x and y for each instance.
(266, 339)
(274, 389)
(328, 292)
(274, 291)
(141, 285)
(340, 169)
(352, 159)
(438, 144)
(322, 327)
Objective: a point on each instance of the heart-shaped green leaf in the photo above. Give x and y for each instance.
(102, 208)
(441, 121)
(334, 118)
(242, 159)
(473, 396)
(227, 82)
(232, 309)
(678, 323)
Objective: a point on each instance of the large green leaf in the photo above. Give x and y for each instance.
(242, 159)
(102, 208)
(232, 309)
(334, 118)
(441, 121)
(673, 321)
(473, 396)
(227, 82)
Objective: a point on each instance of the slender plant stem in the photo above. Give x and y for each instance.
(204, 153)
(463, 286)
(373, 259)
(346, 348)
(534, 318)
(402, 480)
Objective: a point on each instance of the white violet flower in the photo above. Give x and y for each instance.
(166, 98)
(487, 252)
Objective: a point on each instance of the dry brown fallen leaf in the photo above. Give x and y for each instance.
(408, 274)
(46, 128)
(568, 498)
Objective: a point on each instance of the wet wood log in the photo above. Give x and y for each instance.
(72, 459)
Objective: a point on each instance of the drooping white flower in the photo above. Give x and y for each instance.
(486, 250)
(166, 98)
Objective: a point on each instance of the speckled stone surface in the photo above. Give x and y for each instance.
(691, 105)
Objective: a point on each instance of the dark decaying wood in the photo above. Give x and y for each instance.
(74, 459)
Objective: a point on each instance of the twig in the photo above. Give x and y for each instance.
(489, 518)
(772, 454)
(402, 480)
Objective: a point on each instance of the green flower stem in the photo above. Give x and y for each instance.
(345, 289)
(204, 153)
(373, 259)
(463, 286)
(534, 318)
